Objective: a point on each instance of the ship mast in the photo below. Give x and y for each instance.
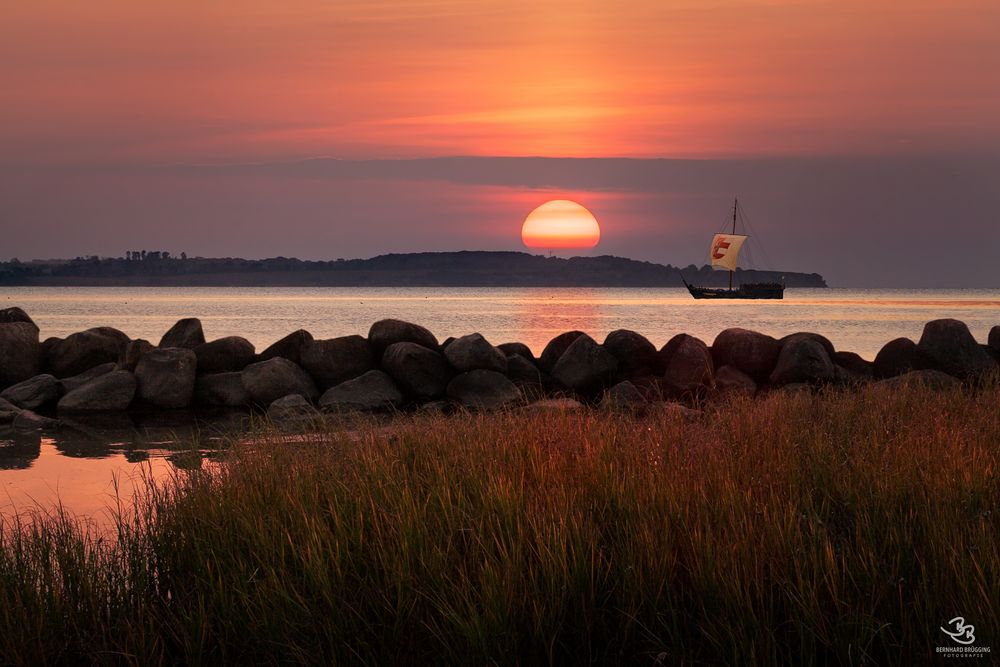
(735, 205)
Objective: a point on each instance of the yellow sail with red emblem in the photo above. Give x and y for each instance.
(725, 251)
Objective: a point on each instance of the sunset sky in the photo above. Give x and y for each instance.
(862, 137)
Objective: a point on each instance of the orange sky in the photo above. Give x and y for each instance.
(115, 80)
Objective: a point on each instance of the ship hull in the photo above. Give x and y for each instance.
(741, 292)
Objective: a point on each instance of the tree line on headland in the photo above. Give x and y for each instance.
(427, 269)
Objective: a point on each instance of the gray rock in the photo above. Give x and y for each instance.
(69, 384)
(474, 352)
(15, 314)
(730, 380)
(290, 408)
(636, 356)
(34, 392)
(819, 338)
(673, 410)
(954, 350)
(26, 420)
(436, 408)
(555, 405)
(930, 378)
(84, 350)
(483, 389)
(20, 352)
(854, 364)
(585, 366)
(185, 333)
(386, 333)
(689, 366)
(165, 377)
(623, 396)
(289, 347)
(232, 353)
(522, 372)
(516, 348)
(555, 348)
(374, 391)
(267, 381)
(802, 359)
(8, 411)
(221, 390)
(133, 352)
(109, 392)
(419, 371)
(749, 351)
(899, 356)
(336, 360)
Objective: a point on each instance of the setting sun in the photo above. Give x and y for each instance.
(560, 223)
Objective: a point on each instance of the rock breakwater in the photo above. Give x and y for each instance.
(402, 366)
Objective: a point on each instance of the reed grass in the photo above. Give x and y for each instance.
(838, 528)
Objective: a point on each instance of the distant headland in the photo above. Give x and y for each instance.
(424, 269)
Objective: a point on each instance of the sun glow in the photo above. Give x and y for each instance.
(560, 223)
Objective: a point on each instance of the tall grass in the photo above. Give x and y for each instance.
(835, 528)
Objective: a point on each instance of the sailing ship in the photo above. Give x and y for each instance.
(723, 254)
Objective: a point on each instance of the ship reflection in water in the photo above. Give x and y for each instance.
(80, 465)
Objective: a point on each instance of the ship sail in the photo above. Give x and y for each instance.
(725, 251)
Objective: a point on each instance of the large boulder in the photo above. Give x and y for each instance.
(34, 392)
(289, 347)
(819, 338)
(585, 367)
(954, 349)
(74, 381)
(221, 390)
(523, 372)
(689, 365)
(516, 348)
(635, 354)
(110, 392)
(8, 412)
(293, 407)
(386, 333)
(165, 377)
(15, 314)
(185, 333)
(232, 353)
(419, 371)
(483, 389)
(994, 338)
(20, 352)
(854, 364)
(560, 405)
(929, 378)
(335, 360)
(374, 391)
(899, 356)
(267, 381)
(133, 352)
(473, 352)
(749, 351)
(802, 359)
(555, 348)
(623, 396)
(84, 350)
(730, 380)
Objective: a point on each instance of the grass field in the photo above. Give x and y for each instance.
(843, 527)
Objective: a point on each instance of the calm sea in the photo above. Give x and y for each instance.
(77, 466)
